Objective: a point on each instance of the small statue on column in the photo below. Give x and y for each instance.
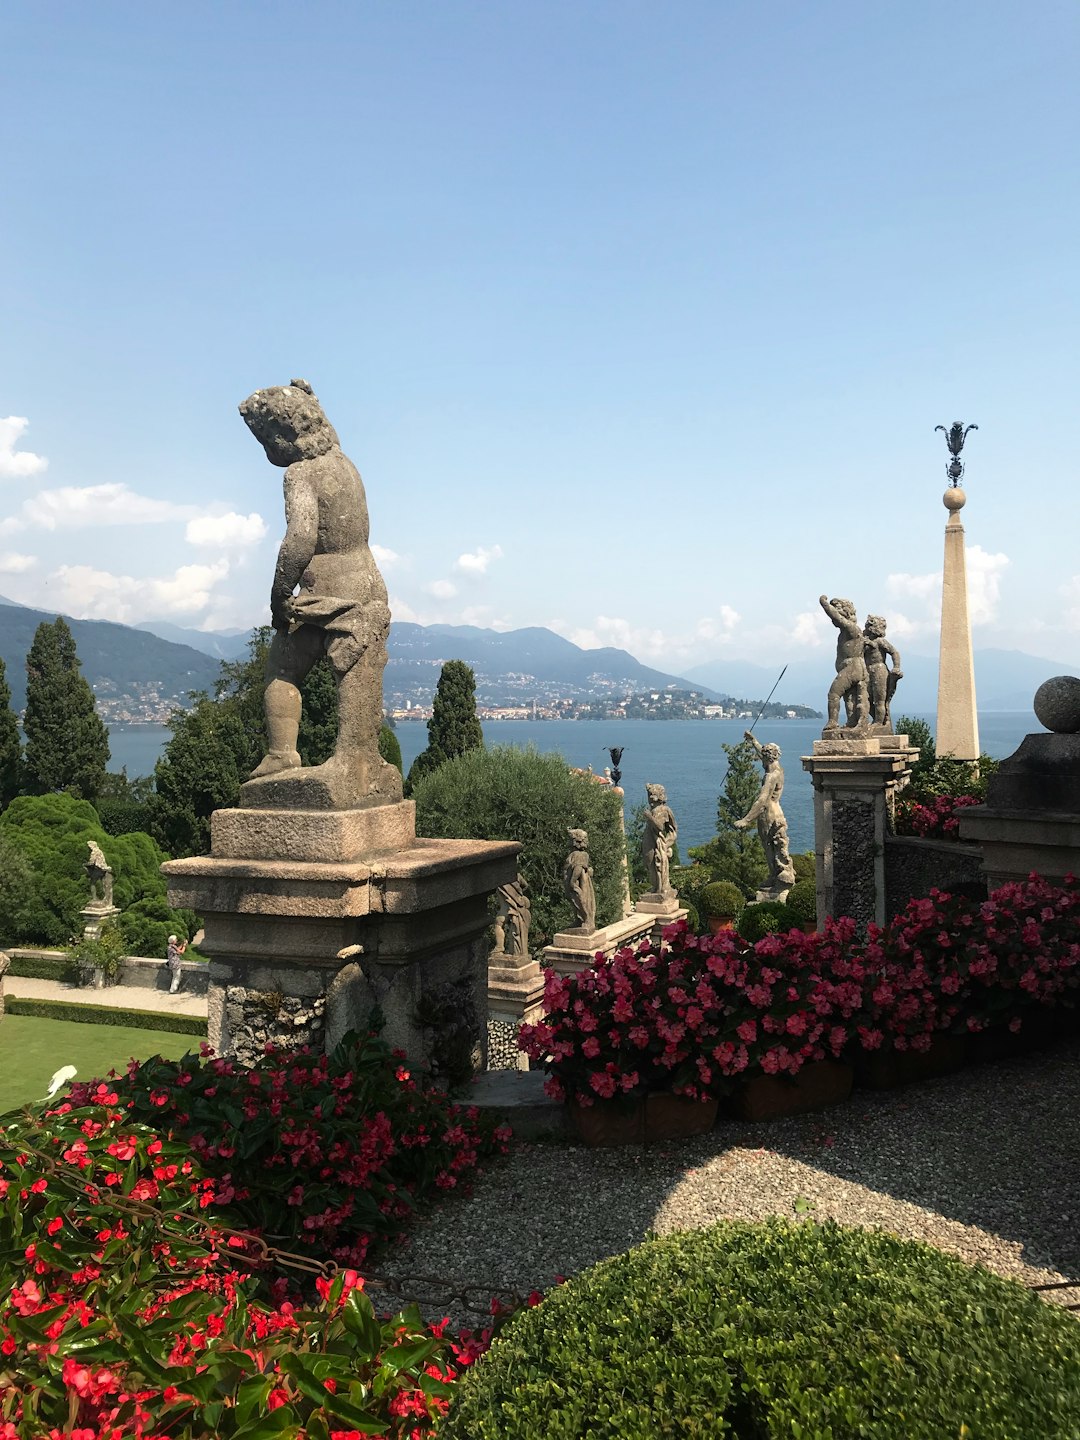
(99, 873)
(658, 841)
(513, 920)
(882, 680)
(771, 824)
(578, 881)
(851, 683)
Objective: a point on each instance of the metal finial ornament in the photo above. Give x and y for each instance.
(615, 751)
(955, 435)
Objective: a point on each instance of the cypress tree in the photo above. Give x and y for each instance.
(10, 744)
(453, 728)
(67, 744)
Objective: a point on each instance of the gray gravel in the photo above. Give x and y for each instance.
(982, 1163)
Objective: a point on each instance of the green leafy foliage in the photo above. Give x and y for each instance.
(147, 925)
(453, 728)
(110, 1015)
(504, 793)
(802, 902)
(67, 744)
(934, 775)
(723, 899)
(764, 917)
(91, 954)
(10, 744)
(17, 889)
(736, 855)
(778, 1329)
(389, 746)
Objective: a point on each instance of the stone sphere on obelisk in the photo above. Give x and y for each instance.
(957, 730)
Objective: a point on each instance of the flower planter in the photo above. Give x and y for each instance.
(644, 1120)
(886, 1069)
(719, 923)
(1040, 1028)
(770, 1097)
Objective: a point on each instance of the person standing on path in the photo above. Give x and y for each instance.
(174, 957)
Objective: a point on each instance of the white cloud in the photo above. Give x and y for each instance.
(91, 594)
(477, 562)
(441, 589)
(12, 525)
(15, 564)
(1071, 591)
(385, 558)
(812, 627)
(17, 464)
(651, 643)
(226, 532)
(984, 572)
(78, 506)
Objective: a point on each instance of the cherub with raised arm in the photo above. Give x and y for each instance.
(327, 598)
(882, 679)
(771, 824)
(851, 680)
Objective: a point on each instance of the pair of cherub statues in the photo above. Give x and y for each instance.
(865, 679)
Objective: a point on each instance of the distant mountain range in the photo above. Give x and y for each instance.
(142, 671)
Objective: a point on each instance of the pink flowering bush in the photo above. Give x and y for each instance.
(935, 818)
(327, 1153)
(699, 1012)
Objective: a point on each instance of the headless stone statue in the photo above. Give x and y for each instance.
(658, 840)
(882, 679)
(100, 875)
(328, 598)
(771, 824)
(578, 881)
(851, 680)
(514, 918)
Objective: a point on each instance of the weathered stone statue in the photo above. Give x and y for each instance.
(882, 680)
(658, 841)
(578, 881)
(328, 598)
(771, 825)
(514, 918)
(100, 875)
(851, 683)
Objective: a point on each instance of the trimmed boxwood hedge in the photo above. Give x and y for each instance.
(106, 1015)
(776, 1330)
(40, 967)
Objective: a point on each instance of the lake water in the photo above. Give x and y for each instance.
(683, 755)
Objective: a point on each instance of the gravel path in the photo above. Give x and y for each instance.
(982, 1163)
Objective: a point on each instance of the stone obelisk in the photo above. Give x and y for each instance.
(957, 731)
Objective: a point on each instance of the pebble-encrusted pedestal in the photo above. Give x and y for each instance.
(313, 919)
(855, 782)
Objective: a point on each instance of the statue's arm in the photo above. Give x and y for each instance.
(892, 651)
(298, 546)
(754, 741)
(850, 627)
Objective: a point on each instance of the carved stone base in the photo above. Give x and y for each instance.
(331, 786)
(95, 917)
(317, 835)
(515, 994)
(302, 951)
(574, 950)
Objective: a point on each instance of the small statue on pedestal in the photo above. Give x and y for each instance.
(851, 683)
(100, 875)
(578, 882)
(513, 919)
(658, 841)
(882, 680)
(771, 824)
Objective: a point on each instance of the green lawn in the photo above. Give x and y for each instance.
(32, 1050)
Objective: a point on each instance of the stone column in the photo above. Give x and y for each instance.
(854, 784)
(313, 919)
(957, 722)
(515, 996)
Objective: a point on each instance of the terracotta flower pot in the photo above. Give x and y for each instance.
(770, 1097)
(643, 1120)
(885, 1069)
(719, 923)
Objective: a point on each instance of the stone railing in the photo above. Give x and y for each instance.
(139, 970)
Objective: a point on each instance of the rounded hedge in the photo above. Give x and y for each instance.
(778, 1330)
(765, 917)
(802, 902)
(722, 898)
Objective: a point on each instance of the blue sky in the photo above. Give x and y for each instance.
(636, 318)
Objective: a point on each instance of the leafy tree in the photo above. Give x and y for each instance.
(453, 728)
(504, 793)
(921, 736)
(10, 744)
(934, 774)
(50, 833)
(736, 855)
(218, 742)
(17, 886)
(67, 744)
(389, 746)
(124, 805)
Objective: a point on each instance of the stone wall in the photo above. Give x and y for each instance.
(914, 867)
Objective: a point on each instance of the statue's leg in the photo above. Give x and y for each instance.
(360, 710)
(836, 692)
(290, 659)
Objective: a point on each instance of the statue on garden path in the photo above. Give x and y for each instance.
(882, 680)
(851, 680)
(658, 840)
(327, 598)
(771, 824)
(578, 881)
(99, 873)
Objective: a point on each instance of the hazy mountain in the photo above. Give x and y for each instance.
(130, 671)
(1004, 679)
(221, 644)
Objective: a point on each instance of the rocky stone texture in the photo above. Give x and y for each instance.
(257, 1018)
(1031, 819)
(1057, 704)
(854, 842)
(914, 866)
(503, 1053)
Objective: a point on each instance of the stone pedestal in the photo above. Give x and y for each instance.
(95, 918)
(854, 782)
(574, 950)
(313, 919)
(515, 995)
(661, 908)
(1031, 819)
